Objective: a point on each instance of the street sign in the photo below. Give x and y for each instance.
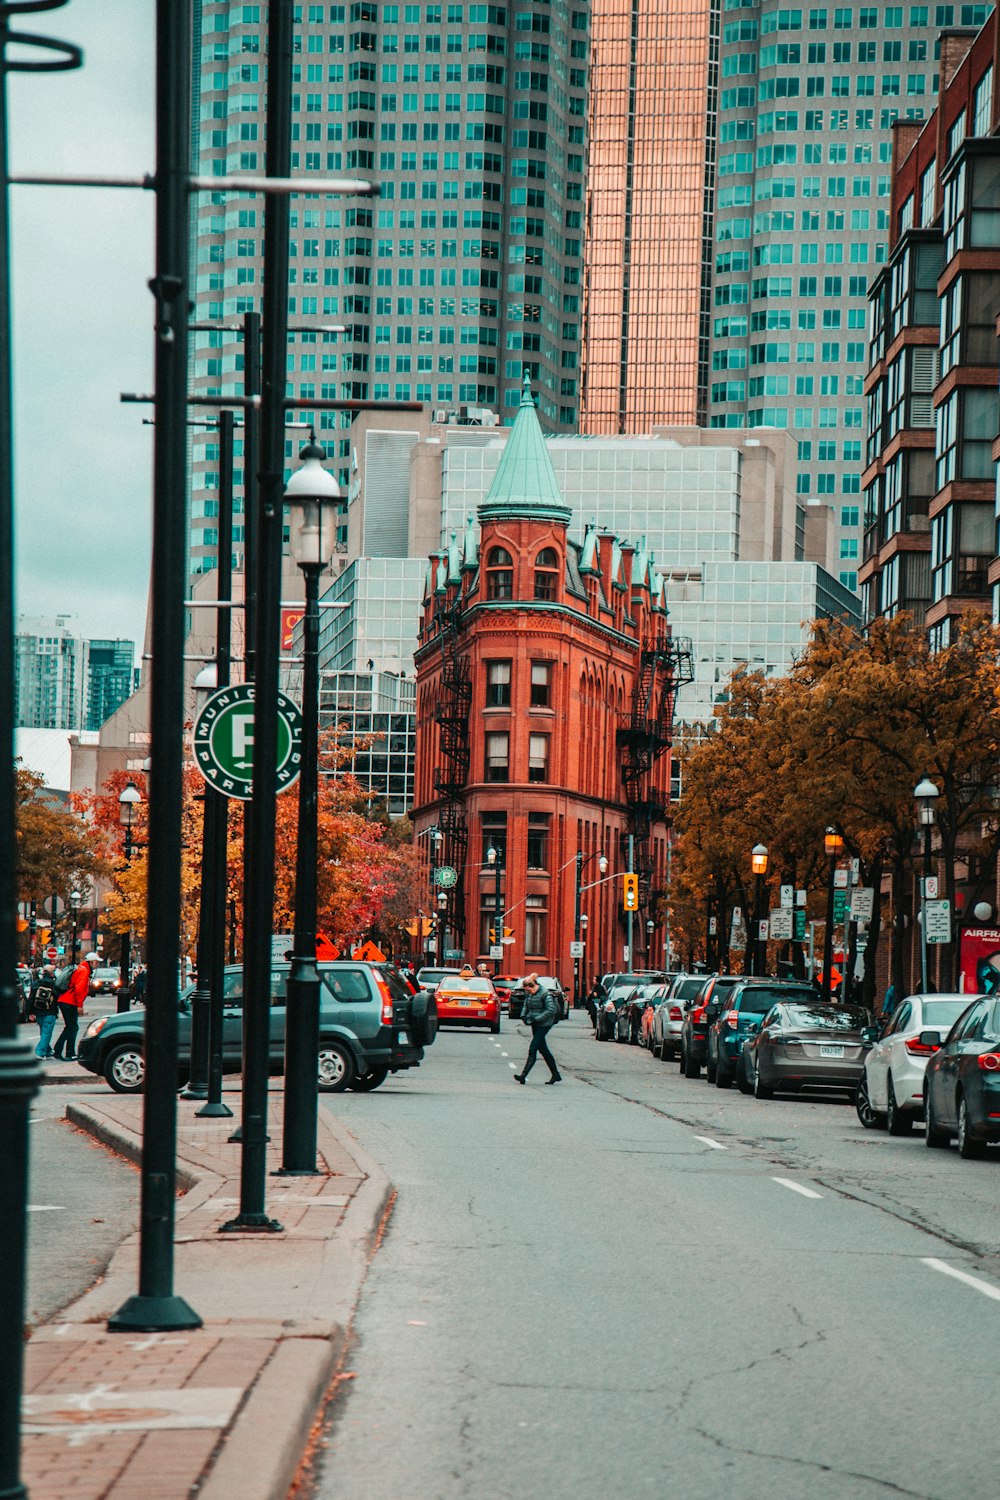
(52, 954)
(937, 920)
(713, 926)
(801, 896)
(787, 895)
(782, 921)
(839, 905)
(431, 945)
(800, 923)
(576, 950)
(930, 887)
(454, 953)
(496, 950)
(625, 953)
(445, 876)
(762, 930)
(840, 880)
(507, 940)
(223, 741)
(862, 903)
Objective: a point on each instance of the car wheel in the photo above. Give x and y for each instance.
(709, 1071)
(669, 1052)
(723, 1078)
(365, 1082)
(968, 1147)
(760, 1090)
(896, 1121)
(743, 1082)
(932, 1135)
(423, 1018)
(495, 1028)
(125, 1068)
(868, 1116)
(336, 1068)
(682, 1058)
(690, 1068)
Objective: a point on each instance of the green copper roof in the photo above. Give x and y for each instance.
(471, 548)
(588, 553)
(524, 485)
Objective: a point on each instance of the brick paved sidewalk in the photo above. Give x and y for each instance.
(223, 1412)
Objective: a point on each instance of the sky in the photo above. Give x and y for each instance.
(83, 323)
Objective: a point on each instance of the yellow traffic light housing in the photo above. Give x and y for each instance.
(630, 892)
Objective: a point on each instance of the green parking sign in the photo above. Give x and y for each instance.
(224, 739)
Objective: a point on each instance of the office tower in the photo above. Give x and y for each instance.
(110, 679)
(463, 273)
(62, 681)
(650, 167)
(807, 101)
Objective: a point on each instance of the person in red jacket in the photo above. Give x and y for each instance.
(71, 1004)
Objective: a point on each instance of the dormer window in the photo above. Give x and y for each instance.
(546, 574)
(499, 574)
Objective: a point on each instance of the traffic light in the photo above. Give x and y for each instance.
(493, 935)
(630, 892)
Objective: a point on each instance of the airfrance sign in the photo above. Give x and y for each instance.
(223, 741)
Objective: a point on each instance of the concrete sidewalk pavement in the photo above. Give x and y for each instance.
(223, 1412)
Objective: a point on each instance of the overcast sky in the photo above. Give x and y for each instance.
(82, 322)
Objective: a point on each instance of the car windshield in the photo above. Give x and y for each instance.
(941, 1015)
(432, 976)
(686, 989)
(472, 986)
(825, 1017)
(759, 998)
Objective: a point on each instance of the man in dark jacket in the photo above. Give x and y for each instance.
(541, 1011)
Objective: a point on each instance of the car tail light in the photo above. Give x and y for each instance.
(698, 1015)
(386, 993)
(989, 1062)
(675, 1013)
(916, 1048)
(732, 1016)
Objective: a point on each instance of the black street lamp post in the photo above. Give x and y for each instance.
(833, 846)
(75, 898)
(128, 801)
(495, 863)
(579, 920)
(925, 794)
(758, 864)
(313, 498)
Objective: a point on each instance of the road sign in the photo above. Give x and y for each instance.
(454, 953)
(445, 876)
(839, 905)
(713, 926)
(496, 950)
(576, 950)
(800, 923)
(782, 921)
(431, 945)
(625, 953)
(862, 903)
(507, 940)
(52, 954)
(787, 895)
(801, 896)
(762, 930)
(937, 920)
(840, 879)
(930, 887)
(223, 741)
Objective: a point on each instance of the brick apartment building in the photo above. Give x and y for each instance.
(546, 677)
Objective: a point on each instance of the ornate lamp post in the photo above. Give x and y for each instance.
(495, 864)
(758, 864)
(833, 846)
(313, 498)
(925, 794)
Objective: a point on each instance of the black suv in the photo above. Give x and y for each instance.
(370, 1026)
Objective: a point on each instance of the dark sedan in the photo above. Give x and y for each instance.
(962, 1081)
(630, 1014)
(806, 1045)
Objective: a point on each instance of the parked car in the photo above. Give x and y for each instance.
(669, 1014)
(962, 1081)
(891, 1088)
(697, 1017)
(632, 1011)
(621, 988)
(747, 1004)
(105, 982)
(468, 1000)
(429, 978)
(806, 1044)
(515, 1003)
(503, 984)
(370, 1026)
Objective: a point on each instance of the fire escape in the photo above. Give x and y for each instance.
(452, 714)
(642, 738)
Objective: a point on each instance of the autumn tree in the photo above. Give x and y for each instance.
(55, 852)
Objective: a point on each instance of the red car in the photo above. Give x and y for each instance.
(468, 1000)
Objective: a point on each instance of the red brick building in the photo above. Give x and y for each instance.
(545, 686)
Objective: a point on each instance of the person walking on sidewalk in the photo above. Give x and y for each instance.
(541, 1011)
(71, 1006)
(42, 1006)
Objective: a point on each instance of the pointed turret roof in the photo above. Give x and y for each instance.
(524, 485)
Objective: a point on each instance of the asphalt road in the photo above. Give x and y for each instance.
(634, 1284)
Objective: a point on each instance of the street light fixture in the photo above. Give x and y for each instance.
(758, 864)
(495, 863)
(925, 794)
(313, 498)
(833, 846)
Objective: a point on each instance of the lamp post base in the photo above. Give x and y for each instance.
(153, 1315)
(214, 1110)
(298, 1172)
(193, 1092)
(252, 1224)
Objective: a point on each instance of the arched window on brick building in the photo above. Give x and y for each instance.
(499, 574)
(546, 573)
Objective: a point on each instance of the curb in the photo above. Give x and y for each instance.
(123, 1142)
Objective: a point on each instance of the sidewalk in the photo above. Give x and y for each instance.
(224, 1412)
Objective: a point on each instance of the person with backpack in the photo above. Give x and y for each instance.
(540, 1012)
(43, 1007)
(71, 1004)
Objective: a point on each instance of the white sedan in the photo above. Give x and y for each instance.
(891, 1091)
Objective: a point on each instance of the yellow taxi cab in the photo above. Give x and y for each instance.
(468, 999)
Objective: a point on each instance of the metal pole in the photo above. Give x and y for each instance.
(156, 1307)
(73, 941)
(498, 913)
(259, 898)
(302, 1012)
(576, 927)
(923, 908)
(629, 915)
(828, 934)
(755, 945)
(125, 963)
(251, 455)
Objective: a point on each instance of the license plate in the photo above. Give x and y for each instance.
(828, 1050)
(404, 1038)
(466, 1002)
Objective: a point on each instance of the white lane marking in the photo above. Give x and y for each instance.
(46, 1208)
(797, 1187)
(513, 1067)
(496, 1044)
(980, 1286)
(706, 1140)
(504, 1054)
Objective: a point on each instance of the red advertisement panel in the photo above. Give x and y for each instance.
(289, 619)
(980, 954)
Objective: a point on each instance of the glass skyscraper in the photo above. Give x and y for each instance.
(807, 101)
(463, 272)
